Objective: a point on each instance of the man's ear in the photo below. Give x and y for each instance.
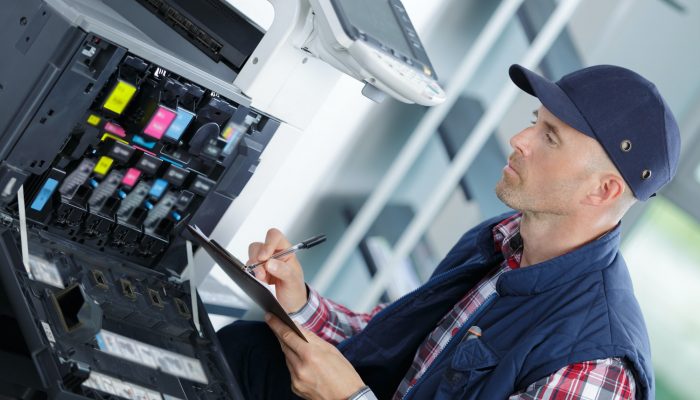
(609, 189)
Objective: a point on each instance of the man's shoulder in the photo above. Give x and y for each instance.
(621, 300)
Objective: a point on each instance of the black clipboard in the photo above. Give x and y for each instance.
(235, 269)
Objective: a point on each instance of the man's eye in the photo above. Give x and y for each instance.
(550, 140)
(533, 122)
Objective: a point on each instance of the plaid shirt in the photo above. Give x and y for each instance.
(595, 380)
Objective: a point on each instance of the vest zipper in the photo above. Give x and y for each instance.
(467, 324)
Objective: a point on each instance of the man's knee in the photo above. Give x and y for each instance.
(243, 338)
(256, 360)
(248, 332)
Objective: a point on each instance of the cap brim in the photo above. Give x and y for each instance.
(552, 97)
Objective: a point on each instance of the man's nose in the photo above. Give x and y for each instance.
(520, 142)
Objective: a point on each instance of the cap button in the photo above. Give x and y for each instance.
(626, 145)
(646, 174)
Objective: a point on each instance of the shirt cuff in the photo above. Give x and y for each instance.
(305, 314)
(363, 394)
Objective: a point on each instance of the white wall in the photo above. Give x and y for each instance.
(649, 37)
(314, 156)
(318, 149)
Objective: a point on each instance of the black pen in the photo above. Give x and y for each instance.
(306, 244)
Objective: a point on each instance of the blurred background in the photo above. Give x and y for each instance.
(395, 185)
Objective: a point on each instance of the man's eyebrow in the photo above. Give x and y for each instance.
(551, 127)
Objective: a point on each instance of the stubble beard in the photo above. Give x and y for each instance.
(515, 196)
(509, 194)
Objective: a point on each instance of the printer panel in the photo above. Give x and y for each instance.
(114, 154)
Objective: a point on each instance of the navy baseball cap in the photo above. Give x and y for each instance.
(620, 109)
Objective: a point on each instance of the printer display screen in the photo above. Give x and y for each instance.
(377, 19)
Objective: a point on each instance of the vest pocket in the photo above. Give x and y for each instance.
(471, 363)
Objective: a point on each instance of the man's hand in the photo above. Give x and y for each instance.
(285, 273)
(318, 369)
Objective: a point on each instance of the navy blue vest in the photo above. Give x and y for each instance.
(576, 307)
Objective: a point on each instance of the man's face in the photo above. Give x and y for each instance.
(550, 168)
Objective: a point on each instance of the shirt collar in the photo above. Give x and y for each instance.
(507, 240)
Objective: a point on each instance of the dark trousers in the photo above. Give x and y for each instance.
(257, 362)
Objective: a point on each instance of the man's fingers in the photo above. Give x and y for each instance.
(293, 359)
(295, 383)
(274, 241)
(284, 333)
(253, 251)
(297, 369)
(261, 273)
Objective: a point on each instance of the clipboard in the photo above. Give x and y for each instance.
(235, 270)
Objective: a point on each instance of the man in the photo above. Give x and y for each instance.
(533, 305)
